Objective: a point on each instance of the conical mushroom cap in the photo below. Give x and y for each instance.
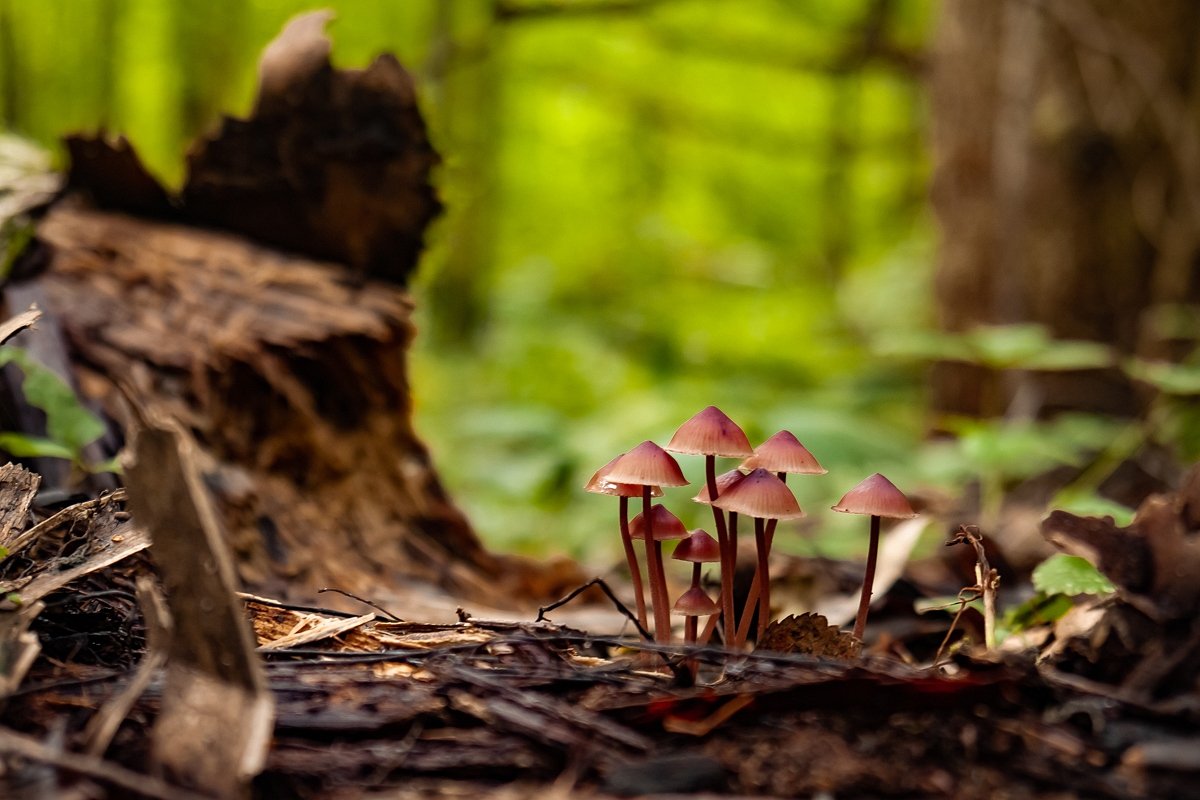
(761, 494)
(699, 548)
(667, 526)
(877, 497)
(784, 453)
(710, 433)
(724, 482)
(695, 602)
(647, 465)
(598, 484)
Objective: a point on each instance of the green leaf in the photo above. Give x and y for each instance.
(1040, 609)
(68, 422)
(1070, 575)
(1177, 379)
(22, 446)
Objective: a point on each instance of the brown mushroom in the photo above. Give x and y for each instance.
(782, 454)
(699, 548)
(624, 491)
(763, 496)
(876, 497)
(648, 465)
(712, 433)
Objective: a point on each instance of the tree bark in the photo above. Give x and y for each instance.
(1066, 184)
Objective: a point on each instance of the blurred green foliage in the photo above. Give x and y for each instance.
(651, 207)
(70, 427)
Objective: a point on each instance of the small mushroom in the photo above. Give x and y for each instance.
(712, 433)
(875, 497)
(782, 454)
(692, 604)
(648, 465)
(598, 485)
(659, 526)
(699, 548)
(763, 496)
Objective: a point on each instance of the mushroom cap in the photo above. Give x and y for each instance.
(724, 482)
(760, 494)
(598, 484)
(695, 602)
(699, 548)
(710, 433)
(784, 453)
(667, 526)
(647, 465)
(878, 497)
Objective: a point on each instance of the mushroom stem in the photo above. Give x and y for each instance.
(728, 551)
(692, 624)
(755, 587)
(730, 630)
(635, 571)
(864, 604)
(764, 597)
(656, 575)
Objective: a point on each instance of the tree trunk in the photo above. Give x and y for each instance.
(1067, 185)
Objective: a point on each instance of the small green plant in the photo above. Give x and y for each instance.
(70, 427)
(1059, 581)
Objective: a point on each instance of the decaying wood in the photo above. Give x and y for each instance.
(293, 384)
(18, 487)
(105, 772)
(103, 726)
(19, 322)
(215, 723)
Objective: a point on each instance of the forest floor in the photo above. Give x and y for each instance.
(1102, 702)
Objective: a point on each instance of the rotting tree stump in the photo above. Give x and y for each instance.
(288, 368)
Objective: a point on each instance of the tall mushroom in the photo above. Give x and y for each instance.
(725, 481)
(875, 497)
(763, 496)
(699, 548)
(711, 433)
(782, 454)
(663, 526)
(598, 485)
(648, 465)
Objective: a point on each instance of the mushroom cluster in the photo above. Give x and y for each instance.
(756, 488)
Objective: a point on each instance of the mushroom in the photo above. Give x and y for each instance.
(699, 548)
(781, 454)
(763, 496)
(663, 526)
(694, 603)
(598, 485)
(877, 497)
(711, 433)
(648, 465)
(725, 482)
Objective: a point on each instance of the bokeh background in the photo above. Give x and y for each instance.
(656, 206)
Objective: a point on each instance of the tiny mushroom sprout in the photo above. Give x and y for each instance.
(782, 454)
(694, 603)
(699, 548)
(659, 526)
(648, 465)
(875, 497)
(598, 485)
(711, 433)
(763, 496)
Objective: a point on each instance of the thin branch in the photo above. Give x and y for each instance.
(604, 587)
